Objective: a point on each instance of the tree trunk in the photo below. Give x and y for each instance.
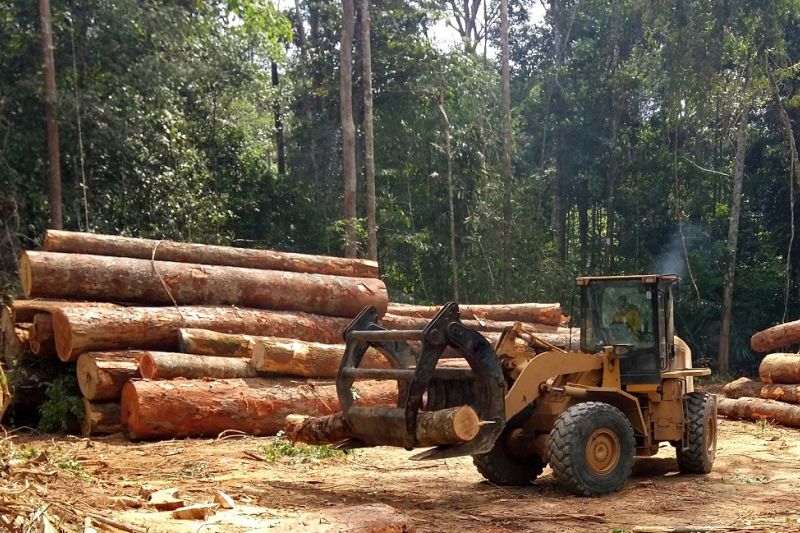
(120, 279)
(51, 103)
(276, 110)
(760, 409)
(81, 329)
(257, 406)
(207, 342)
(742, 387)
(100, 418)
(776, 337)
(390, 321)
(348, 128)
(505, 168)
(789, 393)
(525, 312)
(101, 375)
(206, 254)
(613, 168)
(733, 233)
(42, 341)
(780, 368)
(307, 359)
(450, 198)
(434, 428)
(166, 365)
(369, 136)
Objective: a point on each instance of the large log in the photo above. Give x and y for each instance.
(42, 340)
(80, 329)
(89, 243)
(390, 321)
(101, 375)
(742, 387)
(115, 279)
(100, 418)
(760, 409)
(25, 310)
(257, 406)
(776, 337)
(434, 428)
(165, 365)
(207, 342)
(780, 368)
(308, 359)
(781, 392)
(526, 312)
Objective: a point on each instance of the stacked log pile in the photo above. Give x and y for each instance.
(173, 339)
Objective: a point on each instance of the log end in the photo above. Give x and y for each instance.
(466, 423)
(129, 409)
(25, 278)
(62, 333)
(86, 372)
(147, 367)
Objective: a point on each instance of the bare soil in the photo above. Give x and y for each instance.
(754, 486)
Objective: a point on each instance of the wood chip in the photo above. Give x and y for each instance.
(198, 511)
(166, 500)
(224, 501)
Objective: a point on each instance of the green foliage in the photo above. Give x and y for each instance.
(281, 449)
(63, 409)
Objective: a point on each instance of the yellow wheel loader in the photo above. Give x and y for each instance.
(587, 413)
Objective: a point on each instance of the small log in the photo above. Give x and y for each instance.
(780, 368)
(317, 429)
(742, 387)
(42, 340)
(760, 409)
(776, 337)
(207, 342)
(15, 337)
(90, 243)
(101, 375)
(307, 359)
(100, 418)
(525, 312)
(121, 279)
(781, 392)
(257, 406)
(165, 365)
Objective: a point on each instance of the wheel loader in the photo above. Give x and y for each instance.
(586, 412)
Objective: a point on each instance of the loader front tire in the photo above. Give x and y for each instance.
(499, 467)
(592, 449)
(699, 447)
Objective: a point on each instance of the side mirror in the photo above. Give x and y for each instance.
(676, 292)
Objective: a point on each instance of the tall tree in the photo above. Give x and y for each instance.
(276, 111)
(51, 102)
(506, 172)
(348, 127)
(369, 136)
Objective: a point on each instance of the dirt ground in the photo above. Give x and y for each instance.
(755, 486)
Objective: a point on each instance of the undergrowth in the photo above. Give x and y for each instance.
(300, 453)
(62, 411)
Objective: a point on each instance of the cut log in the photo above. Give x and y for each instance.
(759, 409)
(101, 375)
(42, 340)
(742, 387)
(25, 310)
(80, 329)
(257, 406)
(781, 392)
(207, 342)
(89, 243)
(307, 359)
(434, 428)
(114, 279)
(100, 418)
(390, 321)
(15, 337)
(526, 312)
(165, 365)
(776, 337)
(780, 368)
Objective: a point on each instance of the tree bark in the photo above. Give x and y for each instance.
(41, 340)
(369, 136)
(760, 409)
(776, 337)
(742, 387)
(101, 375)
(390, 321)
(505, 170)
(524, 312)
(100, 418)
(307, 359)
(789, 393)
(207, 342)
(780, 368)
(276, 110)
(120, 279)
(257, 406)
(80, 329)
(733, 232)
(166, 365)
(207, 254)
(51, 104)
(348, 128)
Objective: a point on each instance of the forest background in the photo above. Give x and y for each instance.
(646, 136)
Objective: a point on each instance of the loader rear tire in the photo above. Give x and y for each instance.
(700, 434)
(499, 467)
(592, 449)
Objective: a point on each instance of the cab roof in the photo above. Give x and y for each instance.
(642, 278)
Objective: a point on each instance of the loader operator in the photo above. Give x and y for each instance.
(628, 314)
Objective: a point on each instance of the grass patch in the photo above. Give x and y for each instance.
(763, 429)
(748, 480)
(300, 453)
(72, 467)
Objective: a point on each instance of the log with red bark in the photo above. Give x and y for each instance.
(111, 245)
(308, 359)
(101, 375)
(42, 340)
(86, 328)
(207, 342)
(781, 392)
(776, 337)
(391, 321)
(742, 387)
(166, 365)
(526, 312)
(122, 279)
(760, 409)
(780, 368)
(100, 418)
(257, 406)
(385, 426)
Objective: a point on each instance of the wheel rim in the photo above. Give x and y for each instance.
(711, 435)
(602, 451)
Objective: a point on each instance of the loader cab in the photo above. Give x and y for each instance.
(632, 314)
